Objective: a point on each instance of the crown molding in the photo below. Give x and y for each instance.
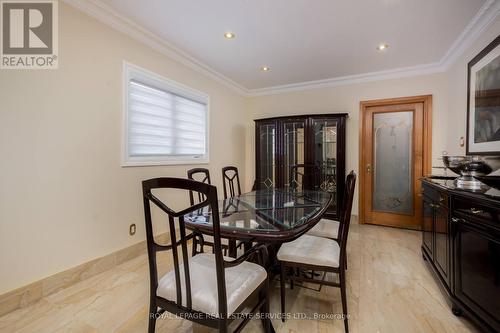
(480, 22)
(112, 18)
(104, 13)
(351, 79)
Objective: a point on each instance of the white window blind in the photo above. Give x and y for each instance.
(166, 123)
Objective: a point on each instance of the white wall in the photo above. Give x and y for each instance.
(346, 99)
(64, 199)
(457, 83)
(449, 90)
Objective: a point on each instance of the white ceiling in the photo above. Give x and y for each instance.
(304, 40)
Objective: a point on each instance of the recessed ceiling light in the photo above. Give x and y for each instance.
(382, 47)
(229, 35)
(265, 69)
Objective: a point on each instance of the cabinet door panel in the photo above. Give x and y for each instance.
(441, 243)
(266, 137)
(293, 153)
(477, 271)
(428, 226)
(323, 152)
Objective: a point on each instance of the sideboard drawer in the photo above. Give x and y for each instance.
(474, 210)
(439, 197)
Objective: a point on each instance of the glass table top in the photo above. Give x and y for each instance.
(264, 210)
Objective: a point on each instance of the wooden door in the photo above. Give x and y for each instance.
(394, 155)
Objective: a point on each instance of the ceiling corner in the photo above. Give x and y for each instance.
(110, 17)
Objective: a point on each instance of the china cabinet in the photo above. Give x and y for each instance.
(306, 152)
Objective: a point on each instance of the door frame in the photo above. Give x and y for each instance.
(426, 100)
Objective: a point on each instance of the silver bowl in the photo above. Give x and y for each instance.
(469, 167)
(456, 163)
(477, 167)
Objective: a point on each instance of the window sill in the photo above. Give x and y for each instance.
(190, 161)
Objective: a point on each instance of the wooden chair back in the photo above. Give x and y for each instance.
(176, 221)
(305, 177)
(200, 175)
(345, 217)
(231, 181)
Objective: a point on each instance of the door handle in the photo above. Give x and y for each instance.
(476, 211)
(454, 226)
(368, 168)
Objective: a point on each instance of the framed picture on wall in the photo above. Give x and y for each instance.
(483, 102)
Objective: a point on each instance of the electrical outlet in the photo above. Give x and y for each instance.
(132, 229)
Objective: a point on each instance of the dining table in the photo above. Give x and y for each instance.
(263, 216)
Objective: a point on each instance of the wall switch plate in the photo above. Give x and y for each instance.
(132, 229)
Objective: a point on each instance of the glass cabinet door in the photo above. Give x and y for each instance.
(293, 154)
(324, 157)
(302, 153)
(266, 154)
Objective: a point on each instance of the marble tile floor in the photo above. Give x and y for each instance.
(389, 290)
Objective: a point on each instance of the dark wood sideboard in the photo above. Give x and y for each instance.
(461, 244)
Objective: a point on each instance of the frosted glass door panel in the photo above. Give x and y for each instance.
(392, 159)
(267, 156)
(293, 150)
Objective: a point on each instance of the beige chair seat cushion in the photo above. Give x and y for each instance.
(311, 250)
(241, 281)
(325, 228)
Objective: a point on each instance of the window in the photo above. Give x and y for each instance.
(165, 122)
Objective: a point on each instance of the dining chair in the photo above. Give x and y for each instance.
(205, 288)
(202, 175)
(229, 178)
(326, 228)
(320, 254)
(305, 177)
(308, 177)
